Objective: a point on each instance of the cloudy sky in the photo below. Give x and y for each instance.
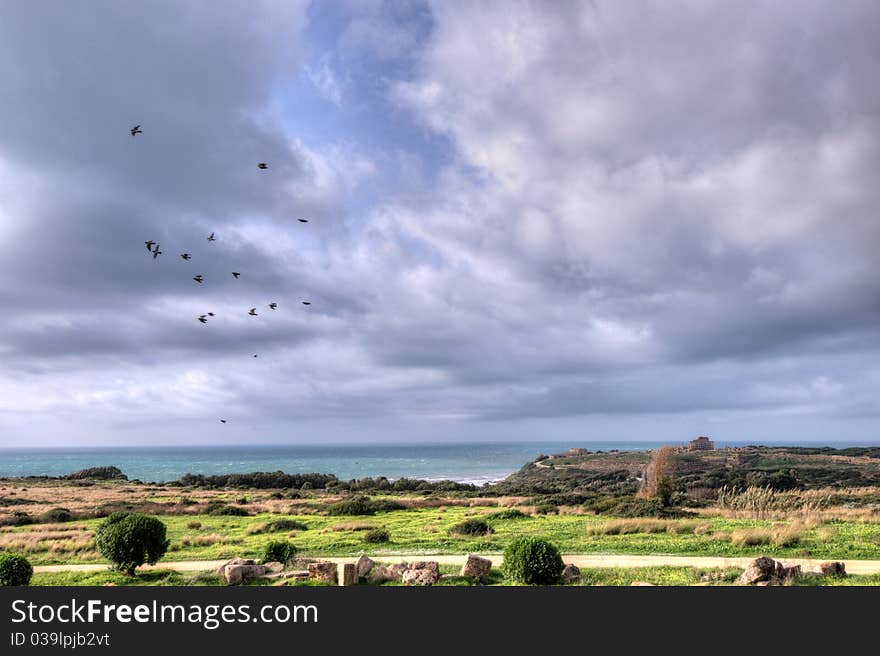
(612, 220)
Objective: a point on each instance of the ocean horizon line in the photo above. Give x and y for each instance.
(839, 444)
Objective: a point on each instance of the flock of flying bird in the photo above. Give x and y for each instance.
(153, 249)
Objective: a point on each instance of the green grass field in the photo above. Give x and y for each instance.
(422, 531)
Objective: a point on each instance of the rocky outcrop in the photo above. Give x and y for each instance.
(364, 565)
(239, 570)
(759, 570)
(349, 574)
(791, 572)
(477, 567)
(324, 571)
(381, 574)
(766, 571)
(833, 569)
(571, 574)
(421, 573)
(273, 567)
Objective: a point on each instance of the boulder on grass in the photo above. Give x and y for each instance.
(835, 568)
(273, 567)
(381, 574)
(349, 574)
(477, 567)
(398, 569)
(325, 571)
(571, 574)
(364, 565)
(791, 572)
(760, 570)
(421, 573)
(239, 570)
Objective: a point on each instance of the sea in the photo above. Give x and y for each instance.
(473, 462)
(476, 463)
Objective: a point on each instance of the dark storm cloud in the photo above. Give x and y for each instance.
(636, 210)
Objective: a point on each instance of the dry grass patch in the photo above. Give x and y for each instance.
(353, 526)
(202, 540)
(644, 525)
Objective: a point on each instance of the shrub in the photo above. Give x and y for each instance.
(364, 505)
(510, 513)
(195, 526)
(103, 473)
(186, 501)
(533, 561)
(129, 540)
(285, 525)
(376, 536)
(280, 551)
(386, 505)
(15, 569)
(636, 507)
(58, 515)
(216, 508)
(18, 518)
(473, 526)
(260, 480)
(277, 526)
(546, 509)
(356, 506)
(242, 501)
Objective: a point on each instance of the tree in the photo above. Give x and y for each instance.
(129, 540)
(659, 480)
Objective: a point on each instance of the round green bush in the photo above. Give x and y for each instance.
(279, 525)
(472, 526)
(15, 569)
(58, 515)
(278, 551)
(510, 513)
(214, 508)
(533, 561)
(129, 540)
(376, 536)
(355, 506)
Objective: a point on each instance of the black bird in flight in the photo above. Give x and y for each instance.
(211, 237)
(236, 274)
(198, 278)
(136, 130)
(186, 256)
(222, 421)
(202, 318)
(262, 165)
(272, 306)
(210, 314)
(149, 244)
(253, 312)
(307, 302)
(303, 220)
(255, 355)
(156, 252)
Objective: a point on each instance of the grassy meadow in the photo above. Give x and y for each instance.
(825, 506)
(429, 531)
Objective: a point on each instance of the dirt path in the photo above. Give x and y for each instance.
(581, 560)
